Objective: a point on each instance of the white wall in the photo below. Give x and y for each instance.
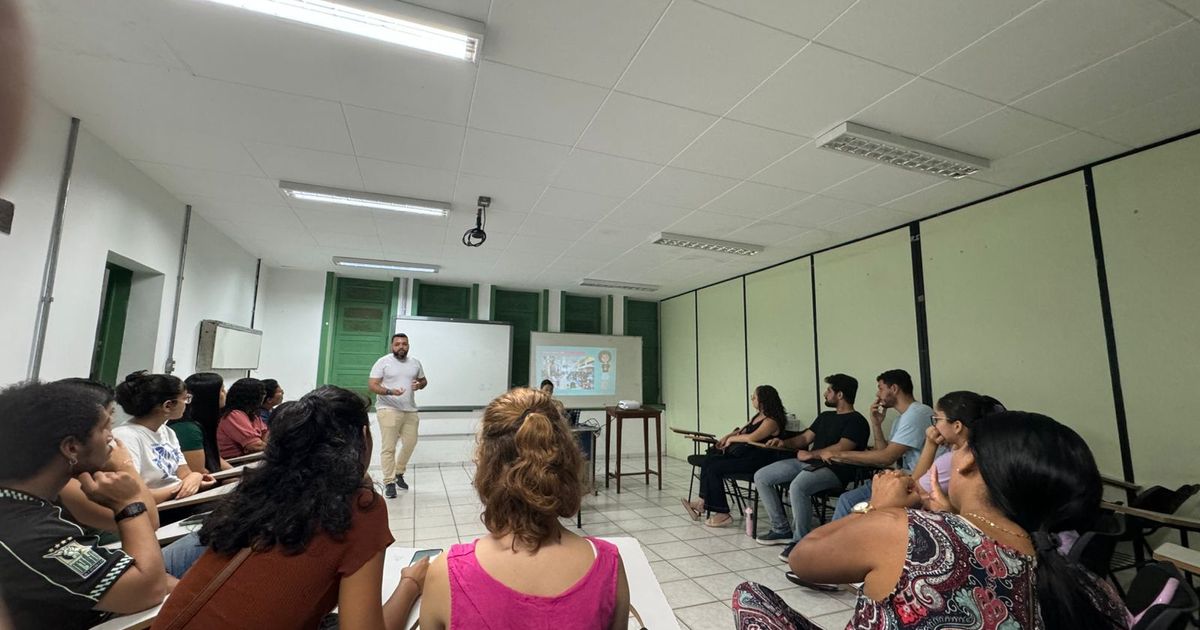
(290, 318)
(32, 186)
(113, 211)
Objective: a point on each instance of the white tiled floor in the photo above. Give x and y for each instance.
(698, 567)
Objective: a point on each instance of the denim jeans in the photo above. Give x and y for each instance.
(179, 555)
(803, 482)
(852, 498)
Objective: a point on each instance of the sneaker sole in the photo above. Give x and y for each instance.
(781, 541)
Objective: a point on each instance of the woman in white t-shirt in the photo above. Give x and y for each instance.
(152, 400)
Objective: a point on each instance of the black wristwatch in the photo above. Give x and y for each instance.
(130, 511)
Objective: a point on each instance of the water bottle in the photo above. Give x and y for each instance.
(750, 521)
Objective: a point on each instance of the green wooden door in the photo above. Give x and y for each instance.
(641, 320)
(521, 309)
(582, 314)
(106, 357)
(443, 300)
(362, 331)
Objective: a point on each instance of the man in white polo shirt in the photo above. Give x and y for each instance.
(394, 378)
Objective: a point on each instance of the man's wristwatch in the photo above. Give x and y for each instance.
(862, 508)
(130, 511)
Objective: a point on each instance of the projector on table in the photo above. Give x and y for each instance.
(629, 404)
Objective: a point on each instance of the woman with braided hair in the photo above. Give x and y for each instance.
(305, 531)
(528, 571)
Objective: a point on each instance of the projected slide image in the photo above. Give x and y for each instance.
(577, 370)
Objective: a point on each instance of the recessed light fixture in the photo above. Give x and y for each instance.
(374, 201)
(616, 284)
(889, 148)
(422, 34)
(707, 244)
(388, 265)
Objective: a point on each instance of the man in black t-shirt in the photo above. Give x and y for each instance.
(843, 429)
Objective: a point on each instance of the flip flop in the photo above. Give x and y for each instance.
(691, 510)
(710, 522)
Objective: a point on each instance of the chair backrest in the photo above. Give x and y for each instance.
(1161, 500)
(1148, 591)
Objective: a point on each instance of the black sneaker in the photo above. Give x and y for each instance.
(816, 586)
(787, 551)
(773, 538)
(389, 491)
(400, 481)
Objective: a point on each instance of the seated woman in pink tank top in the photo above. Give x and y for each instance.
(528, 571)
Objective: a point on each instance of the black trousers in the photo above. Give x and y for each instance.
(744, 459)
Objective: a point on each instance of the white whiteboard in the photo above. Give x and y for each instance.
(467, 363)
(235, 349)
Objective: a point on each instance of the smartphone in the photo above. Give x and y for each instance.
(194, 520)
(424, 553)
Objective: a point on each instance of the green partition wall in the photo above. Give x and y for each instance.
(679, 371)
(866, 322)
(721, 353)
(1013, 307)
(1149, 209)
(779, 324)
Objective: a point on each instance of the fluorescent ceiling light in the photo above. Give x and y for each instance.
(379, 26)
(889, 148)
(616, 284)
(374, 201)
(707, 244)
(389, 265)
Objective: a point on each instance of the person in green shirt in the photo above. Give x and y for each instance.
(197, 428)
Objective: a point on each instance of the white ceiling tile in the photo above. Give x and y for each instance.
(471, 9)
(1051, 41)
(811, 169)
(708, 224)
(916, 36)
(553, 226)
(496, 221)
(766, 233)
(404, 139)
(573, 204)
(213, 185)
(534, 105)
(868, 222)
(705, 59)
(603, 174)
(735, 149)
(1164, 118)
(641, 129)
(404, 180)
(817, 210)
(576, 39)
(533, 248)
(110, 31)
(1149, 72)
(1054, 157)
(265, 218)
(805, 19)
(754, 200)
(398, 236)
(325, 218)
(321, 168)
(924, 110)
(682, 188)
(636, 214)
(507, 195)
(1002, 133)
(349, 241)
(944, 196)
(591, 248)
(509, 157)
(816, 90)
(881, 185)
(146, 141)
(285, 56)
(811, 241)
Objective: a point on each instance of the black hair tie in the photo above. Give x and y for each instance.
(1045, 542)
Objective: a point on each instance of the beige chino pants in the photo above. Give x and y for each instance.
(396, 425)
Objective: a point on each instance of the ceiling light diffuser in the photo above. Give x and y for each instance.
(616, 284)
(388, 265)
(357, 199)
(707, 244)
(379, 26)
(889, 148)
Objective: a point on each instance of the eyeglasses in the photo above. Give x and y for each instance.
(933, 420)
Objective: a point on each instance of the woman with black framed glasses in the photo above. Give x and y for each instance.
(153, 400)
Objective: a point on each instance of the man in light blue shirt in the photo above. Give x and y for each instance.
(894, 391)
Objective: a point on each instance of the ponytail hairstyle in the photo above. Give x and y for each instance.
(771, 404)
(245, 395)
(142, 391)
(205, 410)
(314, 470)
(527, 469)
(1042, 476)
(968, 407)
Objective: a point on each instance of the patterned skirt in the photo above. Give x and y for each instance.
(756, 607)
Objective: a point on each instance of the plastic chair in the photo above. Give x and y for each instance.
(1148, 585)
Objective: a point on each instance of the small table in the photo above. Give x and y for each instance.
(592, 432)
(617, 415)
